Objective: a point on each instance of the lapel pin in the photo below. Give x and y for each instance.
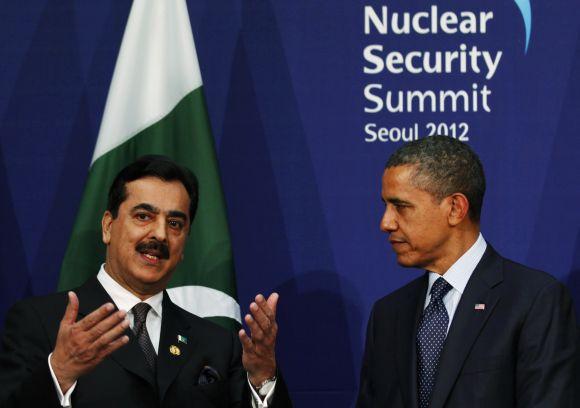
(479, 306)
(174, 350)
(181, 339)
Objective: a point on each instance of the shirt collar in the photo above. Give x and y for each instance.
(460, 272)
(124, 299)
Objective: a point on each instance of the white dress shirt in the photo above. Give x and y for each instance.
(125, 300)
(457, 276)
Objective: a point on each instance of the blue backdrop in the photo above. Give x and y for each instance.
(285, 85)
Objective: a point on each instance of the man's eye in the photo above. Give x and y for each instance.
(142, 216)
(176, 224)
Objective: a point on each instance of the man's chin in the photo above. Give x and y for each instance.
(151, 281)
(406, 261)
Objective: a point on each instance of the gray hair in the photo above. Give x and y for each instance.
(444, 166)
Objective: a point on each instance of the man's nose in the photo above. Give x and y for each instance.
(389, 221)
(159, 229)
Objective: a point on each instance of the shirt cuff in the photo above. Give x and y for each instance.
(64, 399)
(262, 397)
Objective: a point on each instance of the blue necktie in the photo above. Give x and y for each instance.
(430, 338)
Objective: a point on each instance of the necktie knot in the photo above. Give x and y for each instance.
(439, 289)
(140, 311)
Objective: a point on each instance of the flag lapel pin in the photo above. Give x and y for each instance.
(479, 306)
(181, 339)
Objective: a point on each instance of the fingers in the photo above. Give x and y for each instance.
(112, 336)
(111, 339)
(96, 316)
(259, 357)
(260, 317)
(255, 329)
(116, 321)
(273, 302)
(261, 322)
(114, 345)
(247, 344)
(264, 312)
(81, 345)
(264, 307)
(72, 309)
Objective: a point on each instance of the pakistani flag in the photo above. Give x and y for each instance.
(156, 106)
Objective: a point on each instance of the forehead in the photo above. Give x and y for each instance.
(398, 179)
(397, 184)
(165, 195)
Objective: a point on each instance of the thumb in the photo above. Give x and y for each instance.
(72, 309)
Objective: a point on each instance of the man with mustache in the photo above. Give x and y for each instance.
(122, 342)
(476, 330)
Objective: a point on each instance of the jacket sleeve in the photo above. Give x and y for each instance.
(365, 394)
(281, 398)
(25, 379)
(547, 351)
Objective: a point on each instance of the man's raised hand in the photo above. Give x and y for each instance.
(259, 357)
(81, 345)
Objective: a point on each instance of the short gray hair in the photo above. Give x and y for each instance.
(444, 166)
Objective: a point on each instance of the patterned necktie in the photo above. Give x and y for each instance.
(140, 311)
(430, 338)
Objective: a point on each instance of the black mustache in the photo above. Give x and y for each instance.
(161, 248)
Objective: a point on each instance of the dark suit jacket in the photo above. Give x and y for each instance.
(518, 352)
(123, 379)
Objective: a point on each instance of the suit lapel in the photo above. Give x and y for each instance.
(467, 323)
(173, 353)
(407, 323)
(91, 296)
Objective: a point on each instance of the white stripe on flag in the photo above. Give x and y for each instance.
(157, 66)
(205, 302)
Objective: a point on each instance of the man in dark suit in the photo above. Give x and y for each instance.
(122, 342)
(477, 330)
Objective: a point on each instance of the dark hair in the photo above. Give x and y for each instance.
(160, 167)
(444, 166)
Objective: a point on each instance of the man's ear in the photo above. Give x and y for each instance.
(459, 207)
(106, 225)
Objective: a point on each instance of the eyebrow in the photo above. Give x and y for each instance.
(146, 207)
(155, 210)
(177, 214)
(397, 201)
